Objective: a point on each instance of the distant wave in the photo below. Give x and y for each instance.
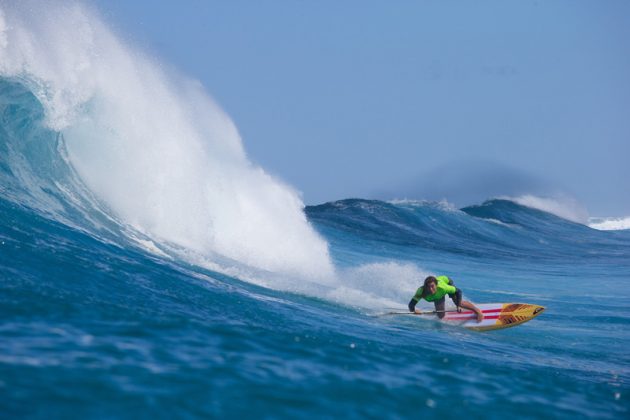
(496, 229)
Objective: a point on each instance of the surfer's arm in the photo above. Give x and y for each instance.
(414, 300)
(412, 305)
(468, 305)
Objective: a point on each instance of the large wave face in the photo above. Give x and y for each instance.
(92, 127)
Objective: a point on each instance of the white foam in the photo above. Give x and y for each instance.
(378, 285)
(609, 223)
(154, 146)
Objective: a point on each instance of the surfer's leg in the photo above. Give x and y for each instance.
(439, 307)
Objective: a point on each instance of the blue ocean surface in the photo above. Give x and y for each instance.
(117, 310)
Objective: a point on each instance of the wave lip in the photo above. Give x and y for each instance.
(563, 207)
(569, 209)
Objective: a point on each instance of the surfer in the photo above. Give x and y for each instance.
(435, 290)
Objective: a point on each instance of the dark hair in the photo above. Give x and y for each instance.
(428, 280)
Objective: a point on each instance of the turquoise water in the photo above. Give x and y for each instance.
(109, 311)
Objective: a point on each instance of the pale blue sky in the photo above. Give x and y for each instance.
(380, 99)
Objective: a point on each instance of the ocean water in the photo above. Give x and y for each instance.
(148, 268)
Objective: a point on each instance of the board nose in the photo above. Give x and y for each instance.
(538, 310)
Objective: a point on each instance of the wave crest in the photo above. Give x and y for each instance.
(564, 207)
(609, 223)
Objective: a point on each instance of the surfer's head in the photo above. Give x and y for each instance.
(430, 286)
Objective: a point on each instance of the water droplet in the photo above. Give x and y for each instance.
(352, 345)
(430, 403)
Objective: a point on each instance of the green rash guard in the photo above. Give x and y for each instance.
(443, 289)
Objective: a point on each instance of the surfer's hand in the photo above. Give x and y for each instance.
(417, 311)
(479, 316)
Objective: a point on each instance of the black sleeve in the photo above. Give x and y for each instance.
(412, 305)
